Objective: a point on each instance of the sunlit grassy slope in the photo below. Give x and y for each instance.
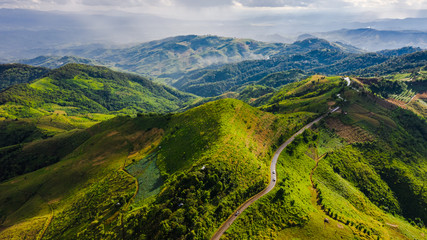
(210, 159)
(79, 89)
(368, 186)
(72, 97)
(311, 94)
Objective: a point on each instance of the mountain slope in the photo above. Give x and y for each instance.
(326, 60)
(375, 40)
(77, 97)
(202, 163)
(11, 74)
(77, 89)
(171, 57)
(181, 175)
(404, 63)
(353, 176)
(211, 82)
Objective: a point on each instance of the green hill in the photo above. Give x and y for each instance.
(76, 97)
(406, 90)
(363, 168)
(212, 82)
(171, 57)
(181, 175)
(77, 89)
(11, 74)
(202, 163)
(398, 64)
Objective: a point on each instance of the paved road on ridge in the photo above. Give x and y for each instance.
(270, 186)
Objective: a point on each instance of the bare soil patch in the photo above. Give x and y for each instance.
(351, 134)
(396, 102)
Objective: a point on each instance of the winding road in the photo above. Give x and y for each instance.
(347, 79)
(271, 184)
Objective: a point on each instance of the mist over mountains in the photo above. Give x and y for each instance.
(374, 40)
(31, 33)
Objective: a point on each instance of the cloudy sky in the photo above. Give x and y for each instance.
(140, 20)
(231, 9)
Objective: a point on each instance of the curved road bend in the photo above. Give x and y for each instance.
(271, 184)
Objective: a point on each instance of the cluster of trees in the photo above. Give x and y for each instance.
(404, 63)
(11, 74)
(190, 207)
(386, 87)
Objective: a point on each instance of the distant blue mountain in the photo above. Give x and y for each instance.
(374, 40)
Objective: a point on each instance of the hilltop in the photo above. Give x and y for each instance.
(76, 89)
(192, 169)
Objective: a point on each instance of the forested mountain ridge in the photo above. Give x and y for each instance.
(11, 74)
(211, 82)
(77, 88)
(170, 58)
(78, 96)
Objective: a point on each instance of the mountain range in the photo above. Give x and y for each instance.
(370, 39)
(101, 152)
(170, 58)
(210, 65)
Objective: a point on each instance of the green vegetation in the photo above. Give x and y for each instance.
(56, 61)
(224, 146)
(180, 175)
(404, 63)
(278, 79)
(19, 159)
(406, 90)
(252, 92)
(211, 82)
(311, 95)
(84, 186)
(11, 74)
(316, 57)
(210, 159)
(79, 89)
(367, 190)
(77, 97)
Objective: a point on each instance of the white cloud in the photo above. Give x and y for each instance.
(229, 9)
